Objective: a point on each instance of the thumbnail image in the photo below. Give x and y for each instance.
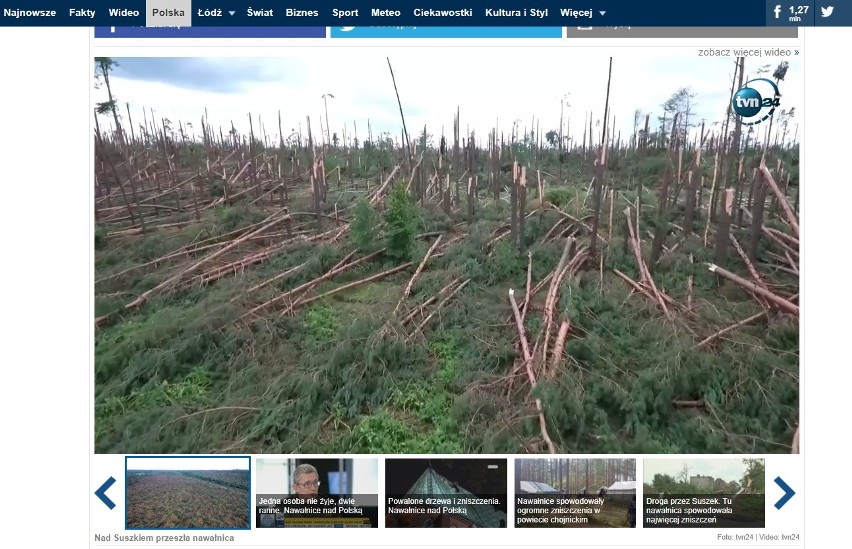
(575, 493)
(188, 493)
(319, 493)
(704, 493)
(342, 253)
(445, 493)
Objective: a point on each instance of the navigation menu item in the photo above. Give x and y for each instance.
(168, 13)
(89, 14)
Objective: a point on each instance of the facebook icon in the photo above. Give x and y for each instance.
(789, 14)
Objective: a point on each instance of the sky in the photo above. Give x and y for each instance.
(727, 469)
(490, 87)
(188, 464)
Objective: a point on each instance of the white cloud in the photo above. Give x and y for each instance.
(487, 85)
(727, 469)
(188, 463)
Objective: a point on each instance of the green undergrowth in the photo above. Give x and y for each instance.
(628, 366)
(418, 416)
(187, 372)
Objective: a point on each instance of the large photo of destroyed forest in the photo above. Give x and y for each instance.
(376, 254)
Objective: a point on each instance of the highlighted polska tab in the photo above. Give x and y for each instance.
(446, 32)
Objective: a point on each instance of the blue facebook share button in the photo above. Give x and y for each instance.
(790, 13)
(446, 32)
(209, 32)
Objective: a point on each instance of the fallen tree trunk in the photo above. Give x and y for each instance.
(748, 263)
(443, 302)
(538, 287)
(407, 290)
(136, 230)
(339, 264)
(724, 331)
(643, 268)
(356, 283)
(528, 362)
(574, 219)
(795, 445)
(689, 403)
(788, 211)
(553, 229)
(143, 297)
(645, 291)
(240, 265)
(755, 289)
(791, 240)
(559, 346)
(274, 278)
(780, 242)
(331, 273)
(377, 195)
(529, 286)
(433, 299)
(559, 273)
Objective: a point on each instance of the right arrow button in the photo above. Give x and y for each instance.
(788, 493)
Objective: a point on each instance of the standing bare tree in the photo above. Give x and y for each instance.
(779, 75)
(325, 98)
(401, 115)
(599, 171)
(103, 67)
(637, 115)
(681, 102)
(683, 474)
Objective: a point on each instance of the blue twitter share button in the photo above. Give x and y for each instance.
(833, 14)
(787, 13)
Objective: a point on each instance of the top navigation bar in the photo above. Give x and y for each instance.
(427, 13)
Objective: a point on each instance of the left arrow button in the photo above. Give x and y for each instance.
(101, 493)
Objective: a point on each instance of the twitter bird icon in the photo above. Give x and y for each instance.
(826, 12)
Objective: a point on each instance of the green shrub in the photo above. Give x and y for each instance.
(559, 196)
(363, 227)
(100, 237)
(400, 218)
(320, 324)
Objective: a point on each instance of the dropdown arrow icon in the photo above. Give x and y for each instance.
(602, 12)
(231, 12)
